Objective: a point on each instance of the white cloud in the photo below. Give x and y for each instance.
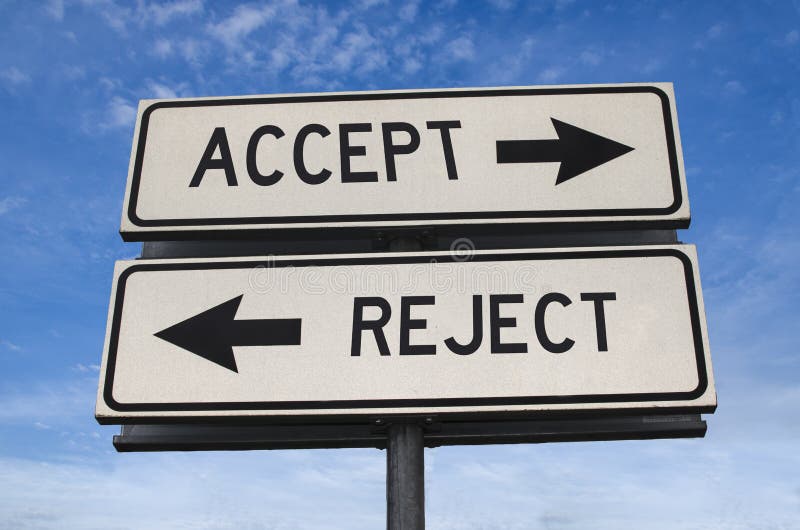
(117, 17)
(459, 49)
(244, 20)
(360, 52)
(279, 59)
(712, 33)
(715, 31)
(193, 50)
(8, 204)
(318, 50)
(551, 74)
(119, 113)
(14, 76)
(430, 35)
(87, 367)
(109, 83)
(160, 91)
(734, 88)
(56, 403)
(409, 10)
(162, 48)
(510, 68)
(72, 72)
(634, 484)
(55, 8)
(652, 65)
(591, 57)
(502, 5)
(411, 66)
(315, 46)
(791, 38)
(11, 346)
(163, 13)
(369, 4)
(157, 90)
(171, 491)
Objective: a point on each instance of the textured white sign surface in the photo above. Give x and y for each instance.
(511, 331)
(588, 153)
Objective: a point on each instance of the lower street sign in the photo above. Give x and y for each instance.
(503, 333)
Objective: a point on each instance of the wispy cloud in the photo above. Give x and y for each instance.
(460, 49)
(59, 402)
(408, 12)
(116, 16)
(162, 48)
(791, 38)
(242, 22)
(8, 204)
(520, 487)
(591, 57)
(164, 90)
(652, 66)
(55, 9)
(359, 50)
(119, 113)
(714, 32)
(369, 4)
(734, 88)
(72, 72)
(87, 367)
(7, 344)
(163, 13)
(551, 74)
(121, 16)
(502, 5)
(101, 492)
(512, 67)
(13, 76)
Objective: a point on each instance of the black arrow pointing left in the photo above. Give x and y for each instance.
(213, 333)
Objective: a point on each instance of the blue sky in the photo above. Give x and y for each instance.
(71, 74)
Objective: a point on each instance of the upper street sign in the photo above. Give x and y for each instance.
(507, 332)
(570, 154)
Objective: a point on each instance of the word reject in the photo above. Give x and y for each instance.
(496, 323)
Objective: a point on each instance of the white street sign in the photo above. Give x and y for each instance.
(569, 154)
(517, 331)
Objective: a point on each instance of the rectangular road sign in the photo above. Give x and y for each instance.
(518, 332)
(600, 154)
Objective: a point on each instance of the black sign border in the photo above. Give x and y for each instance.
(510, 216)
(680, 396)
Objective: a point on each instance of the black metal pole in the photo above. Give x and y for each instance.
(405, 477)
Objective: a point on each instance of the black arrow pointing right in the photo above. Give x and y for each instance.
(578, 150)
(213, 333)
